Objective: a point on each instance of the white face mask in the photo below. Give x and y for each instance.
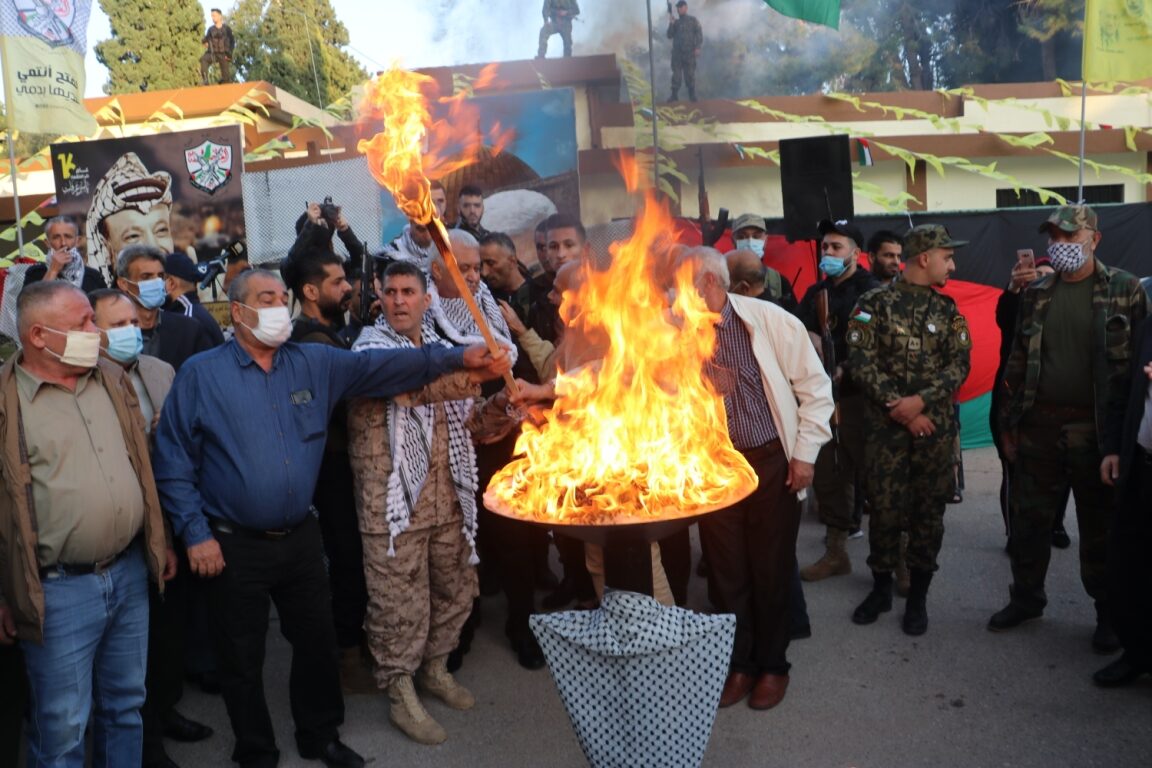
(273, 326)
(81, 348)
(1067, 257)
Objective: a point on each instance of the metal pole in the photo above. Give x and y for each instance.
(1083, 132)
(652, 93)
(15, 191)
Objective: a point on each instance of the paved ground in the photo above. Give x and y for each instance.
(860, 696)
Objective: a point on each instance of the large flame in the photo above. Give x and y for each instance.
(414, 145)
(640, 432)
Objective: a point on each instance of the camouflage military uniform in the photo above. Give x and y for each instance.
(1055, 444)
(420, 597)
(687, 37)
(558, 15)
(907, 340)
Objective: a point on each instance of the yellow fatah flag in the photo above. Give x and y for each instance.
(42, 45)
(1117, 40)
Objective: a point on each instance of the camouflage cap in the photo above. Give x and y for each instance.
(925, 237)
(748, 220)
(1071, 218)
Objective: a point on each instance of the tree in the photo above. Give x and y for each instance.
(297, 46)
(155, 44)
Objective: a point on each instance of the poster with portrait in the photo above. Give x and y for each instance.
(531, 173)
(178, 190)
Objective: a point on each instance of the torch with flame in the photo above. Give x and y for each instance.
(397, 157)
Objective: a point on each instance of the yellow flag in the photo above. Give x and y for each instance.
(1117, 40)
(42, 46)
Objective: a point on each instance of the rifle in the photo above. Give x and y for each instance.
(671, 16)
(710, 231)
(828, 353)
(367, 277)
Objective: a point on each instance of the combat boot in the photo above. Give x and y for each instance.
(355, 674)
(409, 715)
(902, 582)
(916, 609)
(435, 678)
(879, 600)
(834, 561)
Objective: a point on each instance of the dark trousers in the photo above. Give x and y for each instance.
(13, 702)
(1053, 452)
(290, 573)
(751, 551)
(1129, 573)
(164, 678)
(335, 503)
(222, 60)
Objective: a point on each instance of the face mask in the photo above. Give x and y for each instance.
(832, 266)
(273, 327)
(81, 349)
(751, 244)
(152, 294)
(125, 343)
(1067, 257)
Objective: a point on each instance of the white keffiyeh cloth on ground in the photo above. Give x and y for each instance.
(410, 441)
(641, 681)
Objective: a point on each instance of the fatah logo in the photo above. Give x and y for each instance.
(209, 165)
(49, 20)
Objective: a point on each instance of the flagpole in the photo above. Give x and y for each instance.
(652, 89)
(1083, 133)
(10, 108)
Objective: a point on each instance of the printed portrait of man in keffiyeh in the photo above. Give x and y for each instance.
(130, 206)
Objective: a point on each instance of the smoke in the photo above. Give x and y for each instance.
(749, 49)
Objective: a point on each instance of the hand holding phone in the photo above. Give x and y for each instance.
(1025, 258)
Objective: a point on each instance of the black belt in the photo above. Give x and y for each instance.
(227, 526)
(767, 449)
(85, 569)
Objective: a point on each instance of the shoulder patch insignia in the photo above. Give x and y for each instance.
(960, 330)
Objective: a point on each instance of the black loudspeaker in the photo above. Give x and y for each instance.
(815, 183)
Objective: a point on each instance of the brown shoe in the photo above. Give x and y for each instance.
(736, 687)
(769, 691)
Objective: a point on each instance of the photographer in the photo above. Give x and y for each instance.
(315, 227)
(180, 279)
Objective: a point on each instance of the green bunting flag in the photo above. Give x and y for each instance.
(826, 12)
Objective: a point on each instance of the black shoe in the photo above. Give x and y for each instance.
(208, 681)
(1119, 673)
(878, 601)
(528, 652)
(915, 622)
(335, 753)
(1104, 640)
(561, 597)
(1012, 616)
(1060, 538)
(802, 632)
(180, 728)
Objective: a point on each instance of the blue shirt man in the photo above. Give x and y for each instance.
(238, 449)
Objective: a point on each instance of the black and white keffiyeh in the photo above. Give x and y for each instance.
(406, 249)
(410, 441)
(454, 320)
(73, 271)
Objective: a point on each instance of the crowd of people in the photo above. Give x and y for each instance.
(165, 486)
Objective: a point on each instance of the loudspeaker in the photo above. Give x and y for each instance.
(815, 183)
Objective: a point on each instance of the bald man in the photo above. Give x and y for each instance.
(79, 533)
(752, 278)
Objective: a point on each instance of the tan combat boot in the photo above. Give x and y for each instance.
(903, 578)
(834, 562)
(409, 715)
(435, 678)
(355, 674)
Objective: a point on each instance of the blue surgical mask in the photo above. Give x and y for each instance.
(125, 343)
(152, 293)
(751, 244)
(832, 266)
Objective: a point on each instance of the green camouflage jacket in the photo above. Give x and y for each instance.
(1119, 306)
(905, 340)
(686, 36)
(552, 10)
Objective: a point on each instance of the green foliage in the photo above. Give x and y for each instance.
(155, 44)
(298, 46)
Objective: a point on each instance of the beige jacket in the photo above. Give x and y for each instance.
(799, 392)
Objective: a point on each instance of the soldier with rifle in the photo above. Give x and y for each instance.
(687, 36)
(558, 16)
(825, 310)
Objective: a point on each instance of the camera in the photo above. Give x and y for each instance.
(330, 212)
